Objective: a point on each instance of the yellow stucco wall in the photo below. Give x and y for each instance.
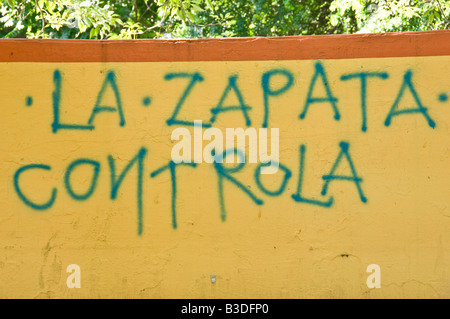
(280, 249)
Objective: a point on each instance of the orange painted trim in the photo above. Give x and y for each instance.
(375, 45)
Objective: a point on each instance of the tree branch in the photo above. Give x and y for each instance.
(443, 15)
(42, 16)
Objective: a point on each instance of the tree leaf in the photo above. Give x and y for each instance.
(11, 3)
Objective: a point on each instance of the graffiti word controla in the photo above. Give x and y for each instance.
(271, 85)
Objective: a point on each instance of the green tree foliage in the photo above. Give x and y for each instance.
(390, 15)
(114, 19)
(245, 18)
(93, 19)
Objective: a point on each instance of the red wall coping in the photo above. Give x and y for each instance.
(374, 45)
